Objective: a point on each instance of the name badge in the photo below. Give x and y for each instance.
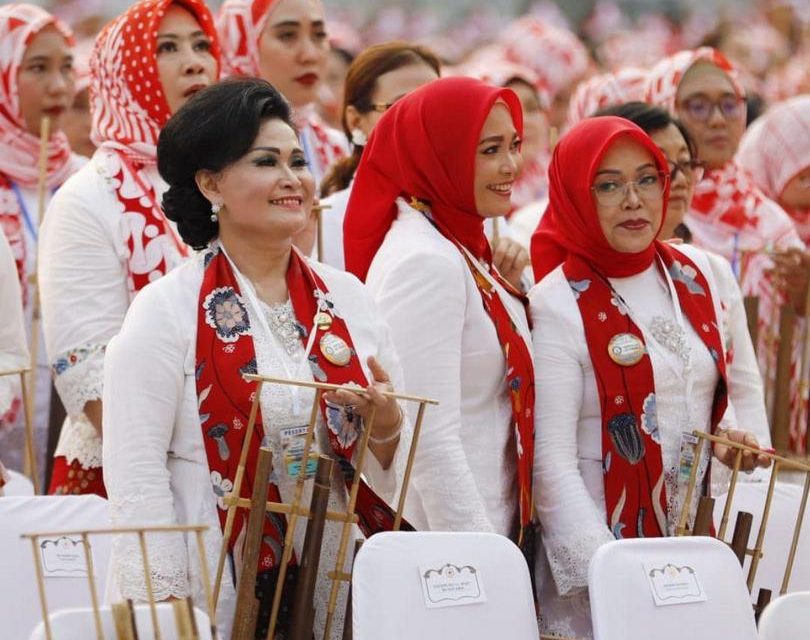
(293, 440)
(686, 456)
(626, 349)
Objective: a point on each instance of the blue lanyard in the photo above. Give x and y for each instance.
(29, 223)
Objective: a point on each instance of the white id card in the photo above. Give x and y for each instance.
(292, 448)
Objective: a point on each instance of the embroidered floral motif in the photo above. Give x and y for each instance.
(649, 419)
(602, 316)
(344, 423)
(317, 373)
(687, 275)
(222, 487)
(623, 430)
(618, 303)
(73, 357)
(225, 312)
(249, 368)
(324, 302)
(217, 432)
(579, 287)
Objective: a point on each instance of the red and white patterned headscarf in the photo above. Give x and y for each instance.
(776, 148)
(129, 109)
(605, 90)
(240, 24)
(556, 55)
(19, 149)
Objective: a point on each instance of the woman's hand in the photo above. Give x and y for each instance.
(510, 259)
(727, 454)
(792, 273)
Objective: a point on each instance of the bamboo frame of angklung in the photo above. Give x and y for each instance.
(28, 408)
(295, 509)
(778, 462)
(141, 532)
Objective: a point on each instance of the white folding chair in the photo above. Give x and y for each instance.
(79, 624)
(435, 586)
(18, 485)
(623, 596)
(19, 597)
(750, 497)
(786, 618)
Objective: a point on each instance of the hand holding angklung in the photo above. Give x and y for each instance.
(510, 259)
(727, 454)
(387, 418)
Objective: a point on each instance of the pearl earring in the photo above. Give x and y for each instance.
(359, 139)
(216, 207)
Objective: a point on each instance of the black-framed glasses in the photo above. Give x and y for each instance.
(648, 186)
(691, 169)
(702, 107)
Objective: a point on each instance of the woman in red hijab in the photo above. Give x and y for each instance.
(628, 360)
(439, 162)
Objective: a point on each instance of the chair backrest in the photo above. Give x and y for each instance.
(19, 604)
(79, 624)
(17, 485)
(750, 497)
(786, 618)
(434, 586)
(633, 582)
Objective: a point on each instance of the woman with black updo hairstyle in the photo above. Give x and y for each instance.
(175, 400)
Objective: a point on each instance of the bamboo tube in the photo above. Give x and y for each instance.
(325, 386)
(132, 618)
(318, 234)
(122, 621)
(30, 442)
(293, 519)
(496, 231)
(303, 612)
(742, 532)
(703, 517)
(553, 137)
(406, 478)
(287, 509)
(344, 534)
(348, 624)
(91, 579)
(156, 529)
(182, 621)
(789, 463)
(683, 522)
(247, 606)
(780, 427)
(147, 576)
(43, 602)
(796, 533)
(766, 511)
(192, 618)
(237, 490)
(763, 600)
(721, 534)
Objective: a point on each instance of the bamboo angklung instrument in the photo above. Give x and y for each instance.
(348, 630)
(247, 605)
(778, 462)
(317, 211)
(122, 621)
(303, 610)
(117, 616)
(742, 532)
(703, 517)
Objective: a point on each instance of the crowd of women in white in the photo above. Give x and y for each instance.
(174, 260)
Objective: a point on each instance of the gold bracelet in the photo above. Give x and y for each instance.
(393, 436)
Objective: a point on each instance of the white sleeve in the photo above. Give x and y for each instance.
(423, 299)
(143, 387)
(83, 288)
(573, 526)
(13, 342)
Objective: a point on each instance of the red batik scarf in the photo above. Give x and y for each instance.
(225, 352)
(635, 495)
(519, 369)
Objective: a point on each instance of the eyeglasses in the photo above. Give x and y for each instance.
(691, 169)
(701, 108)
(382, 107)
(649, 186)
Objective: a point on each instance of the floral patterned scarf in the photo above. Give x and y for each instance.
(225, 352)
(635, 493)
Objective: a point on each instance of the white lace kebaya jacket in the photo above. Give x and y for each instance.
(85, 295)
(13, 342)
(155, 466)
(464, 476)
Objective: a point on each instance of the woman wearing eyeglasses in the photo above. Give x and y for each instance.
(628, 360)
(729, 213)
(744, 380)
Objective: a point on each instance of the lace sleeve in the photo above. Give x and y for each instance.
(79, 377)
(570, 555)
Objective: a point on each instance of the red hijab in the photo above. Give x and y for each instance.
(424, 147)
(571, 223)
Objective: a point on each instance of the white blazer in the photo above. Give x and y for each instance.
(465, 471)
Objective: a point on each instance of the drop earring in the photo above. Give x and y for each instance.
(216, 207)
